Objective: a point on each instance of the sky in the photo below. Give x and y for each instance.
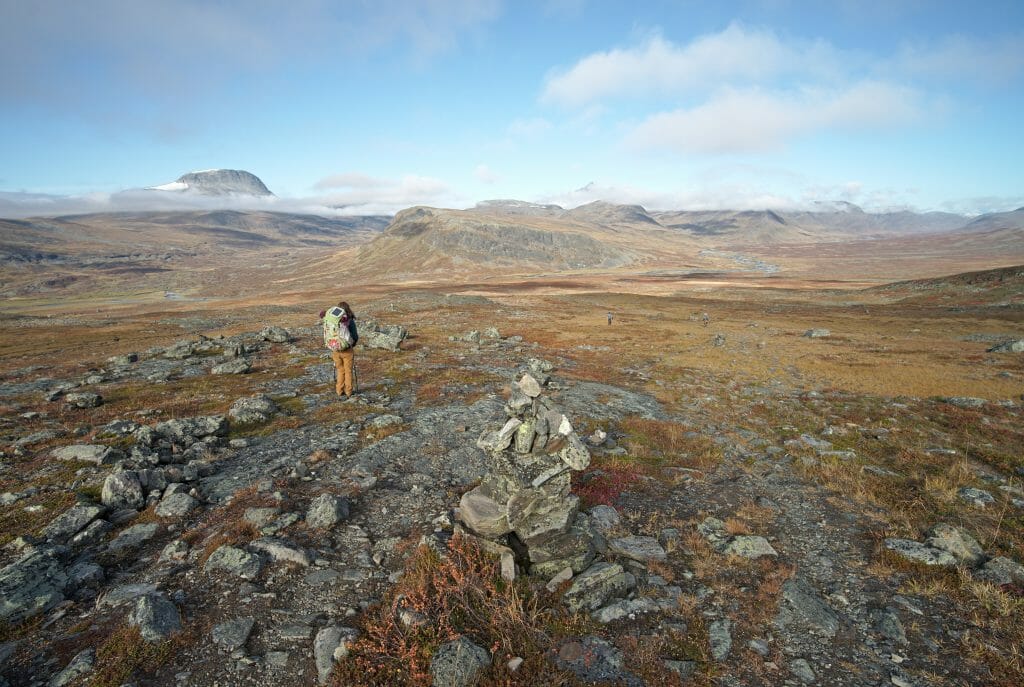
(371, 106)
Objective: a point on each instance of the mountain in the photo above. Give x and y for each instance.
(496, 238)
(1013, 219)
(217, 182)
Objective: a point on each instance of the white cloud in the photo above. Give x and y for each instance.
(756, 120)
(349, 180)
(658, 67)
(486, 174)
(361, 195)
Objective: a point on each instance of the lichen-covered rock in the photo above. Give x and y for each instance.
(920, 553)
(957, 542)
(186, 431)
(482, 514)
(643, 549)
(156, 617)
(72, 521)
(237, 366)
(802, 610)
(122, 490)
(749, 546)
(275, 335)
(87, 453)
(596, 585)
(176, 505)
(253, 409)
(330, 646)
(83, 399)
(232, 634)
(81, 665)
(458, 663)
(327, 510)
(1001, 570)
(31, 585)
(234, 561)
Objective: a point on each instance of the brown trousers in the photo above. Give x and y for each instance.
(343, 371)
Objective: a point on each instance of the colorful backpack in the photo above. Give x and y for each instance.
(337, 336)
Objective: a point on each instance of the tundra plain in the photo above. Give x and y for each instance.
(894, 428)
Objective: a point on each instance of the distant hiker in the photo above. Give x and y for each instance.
(705, 319)
(340, 336)
(609, 318)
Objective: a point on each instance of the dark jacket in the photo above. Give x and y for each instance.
(352, 330)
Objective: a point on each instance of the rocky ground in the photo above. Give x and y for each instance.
(208, 512)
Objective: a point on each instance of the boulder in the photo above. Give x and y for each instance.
(596, 585)
(330, 646)
(31, 585)
(81, 665)
(132, 537)
(529, 386)
(1015, 346)
(156, 617)
(237, 366)
(253, 409)
(187, 431)
(817, 333)
(275, 335)
(87, 453)
(327, 510)
(176, 505)
(1001, 570)
(234, 561)
(458, 663)
(72, 521)
(384, 337)
(281, 551)
(920, 553)
(957, 542)
(122, 490)
(232, 634)
(83, 399)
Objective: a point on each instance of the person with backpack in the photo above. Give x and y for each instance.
(340, 337)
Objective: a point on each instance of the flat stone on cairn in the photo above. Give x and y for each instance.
(525, 502)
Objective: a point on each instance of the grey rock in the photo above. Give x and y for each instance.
(156, 617)
(918, 552)
(386, 420)
(261, 517)
(327, 510)
(595, 661)
(122, 490)
(253, 409)
(83, 399)
(720, 638)
(132, 537)
(277, 660)
(281, 551)
(482, 514)
(529, 386)
(643, 549)
(176, 550)
(625, 608)
(748, 546)
(232, 634)
(383, 337)
(979, 497)
(802, 670)
(683, 669)
(186, 431)
(234, 561)
(1015, 346)
(176, 505)
(123, 360)
(71, 522)
(1001, 570)
(87, 453)
(275, 335)
(493, 441)
(31, 585)
(956, 541)
(81, 665)
(122, 594)
(605, 518)
(236, 366)
(596, 585)
(759, 647)
(331, 645)
(458, 663)
(801, 610)
(85, 575)
(542, 518)
(575, 453)
(965, 401)
(889, 625)
(817, 333)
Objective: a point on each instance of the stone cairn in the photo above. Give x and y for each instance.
(523, 509)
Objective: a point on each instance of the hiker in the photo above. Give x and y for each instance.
(705, 319)
(340, 337)
(609, 317)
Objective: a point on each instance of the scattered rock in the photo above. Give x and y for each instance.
(122, 490)
(330, 646)
(253, 409)
(1001, 570)
(156, 617)
(748, 546)
(956, 541)
(801, 610)
(83, 399)
(88, 453)
(327, 510)
(71, 522)
(1015, 346)
(236, 366)
(234, 561)
(643, 549)
(176, 505)
(458, 663)
(979, 497)
(232, 634)
(817, 333)
(31, 585)
(81, 665)
(921, 553)
(802, 670)
(593, 587)
(275, 335)
(720, 638)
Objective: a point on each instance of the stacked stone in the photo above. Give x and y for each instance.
(525, 502)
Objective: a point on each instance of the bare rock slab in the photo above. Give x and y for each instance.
(458, 663)
(920, 553)
(232, 634)
(643, 549)
(87, 453)
(156, 617)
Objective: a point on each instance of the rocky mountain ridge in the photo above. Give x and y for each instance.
(217, 182)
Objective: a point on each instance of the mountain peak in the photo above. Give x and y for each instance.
(217, 182)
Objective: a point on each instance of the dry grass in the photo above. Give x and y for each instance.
(123, 654)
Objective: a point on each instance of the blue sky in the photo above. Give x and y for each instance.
(382, 104)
